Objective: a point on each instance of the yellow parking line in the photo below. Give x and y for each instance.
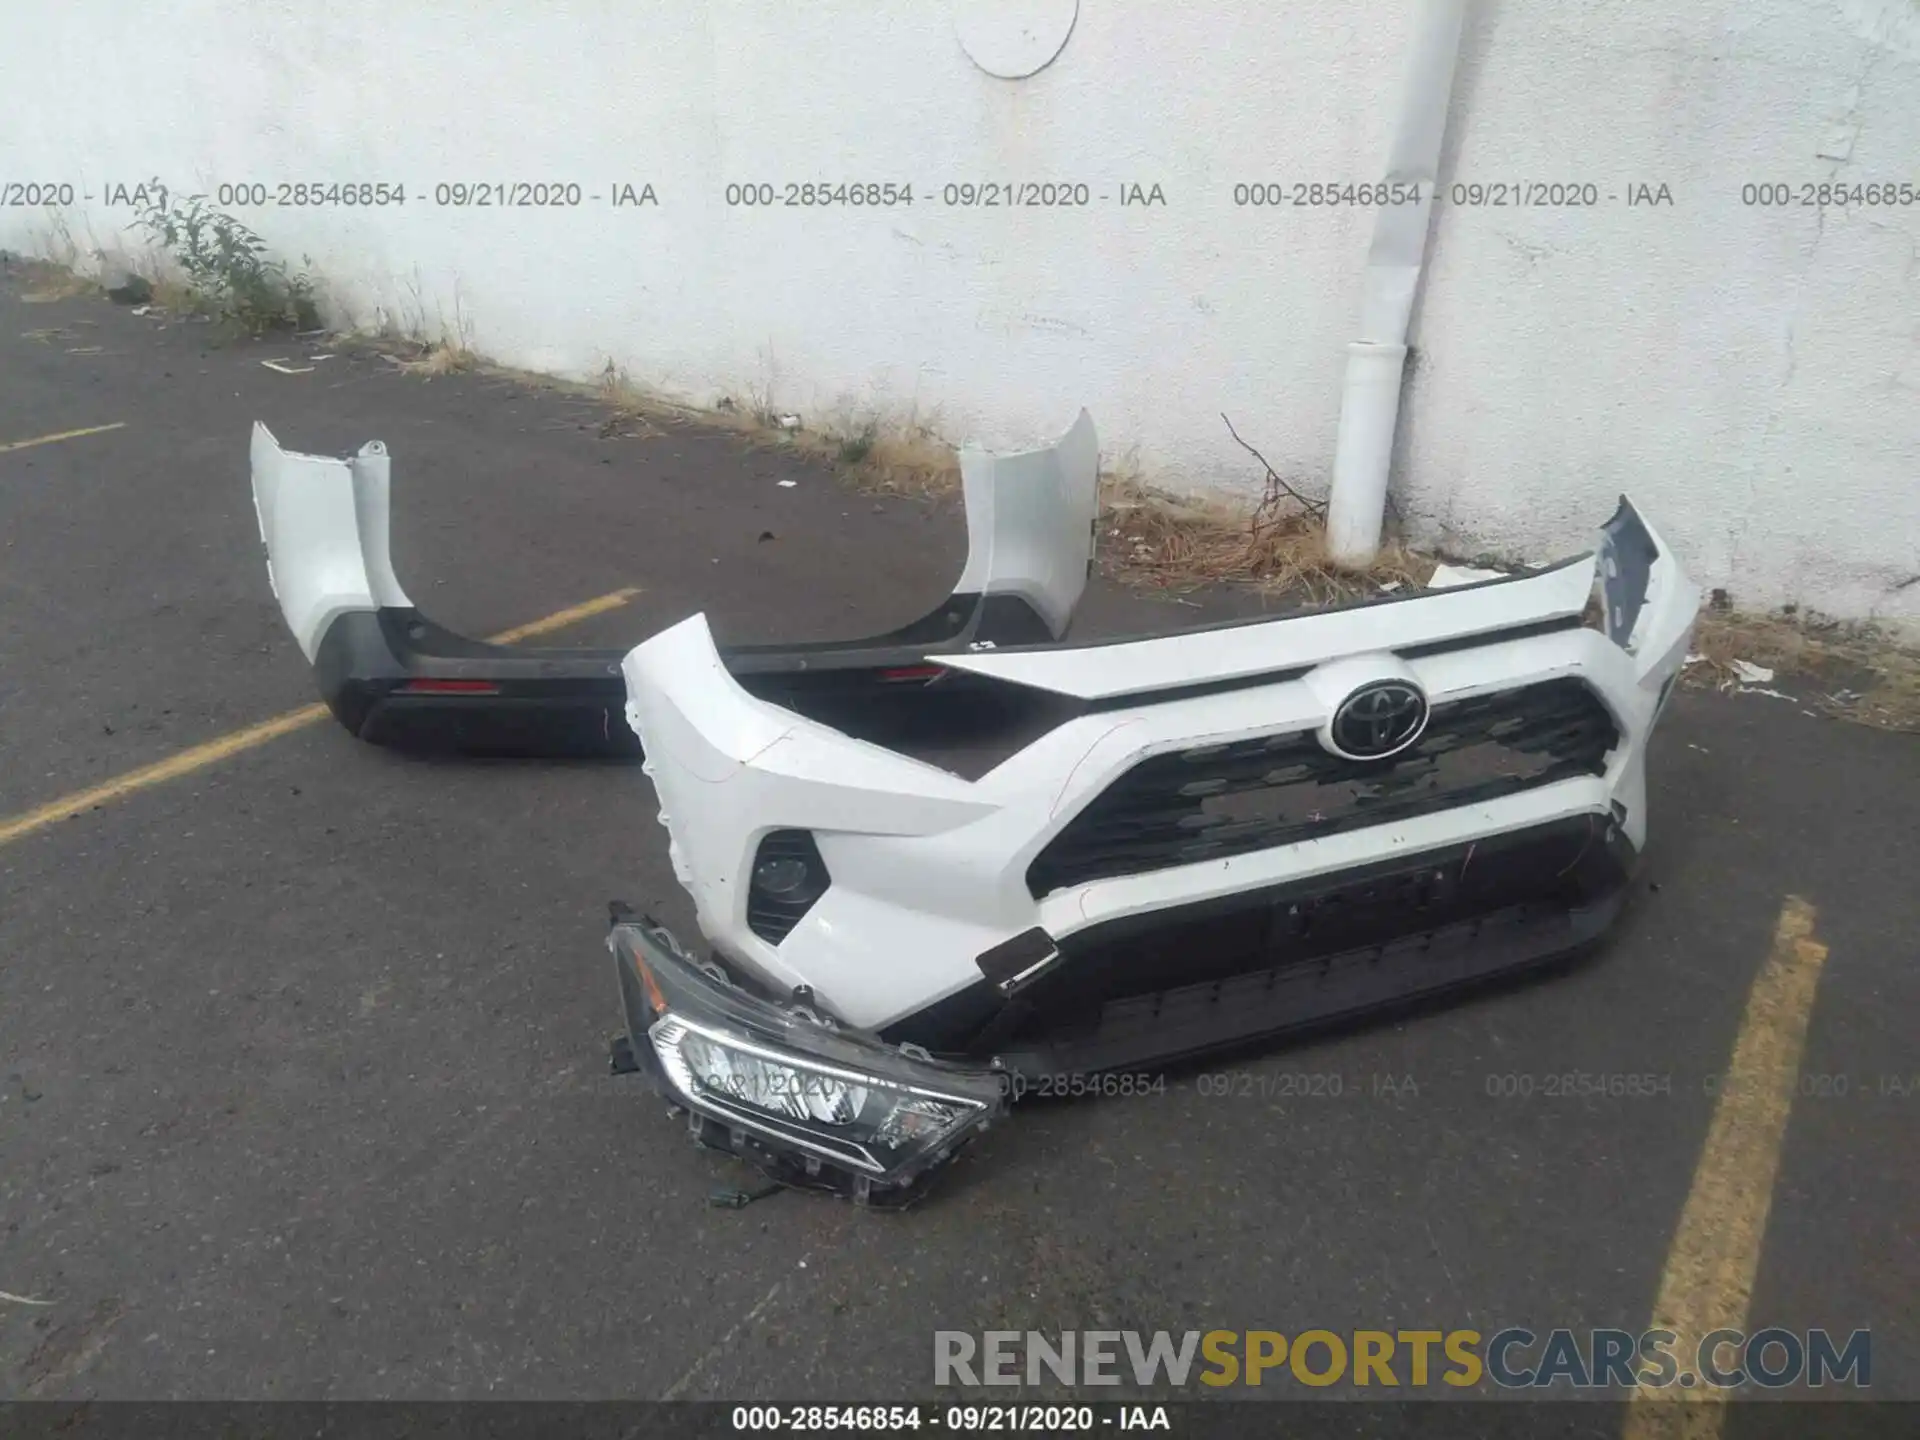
(170, 768)
(63, 435)
(1708, 1281)
(226, 746)
(560, 619)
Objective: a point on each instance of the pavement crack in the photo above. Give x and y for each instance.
(69, 1350)
(679, 1387)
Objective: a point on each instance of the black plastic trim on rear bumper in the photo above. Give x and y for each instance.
(393, 677)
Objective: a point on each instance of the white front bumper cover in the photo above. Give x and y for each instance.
(1200, 851)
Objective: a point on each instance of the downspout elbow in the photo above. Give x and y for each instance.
(1376, 362)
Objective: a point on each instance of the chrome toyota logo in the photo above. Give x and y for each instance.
(1378, 720)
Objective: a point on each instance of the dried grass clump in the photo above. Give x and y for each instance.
(910, 460)
(1184, 543)
(1855, 671)
(1279, 546)
(444, 357)
(47, 282)
(901, 457)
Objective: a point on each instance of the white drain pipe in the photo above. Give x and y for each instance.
(1370, 402)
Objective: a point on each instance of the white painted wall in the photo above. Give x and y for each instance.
(1752, 376)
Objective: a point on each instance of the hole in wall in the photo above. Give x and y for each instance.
(1012, 39)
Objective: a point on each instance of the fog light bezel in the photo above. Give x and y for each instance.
(769, 916)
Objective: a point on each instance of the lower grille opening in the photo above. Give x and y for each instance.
(1386, 914)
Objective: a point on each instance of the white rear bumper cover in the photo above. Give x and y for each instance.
(929, 870)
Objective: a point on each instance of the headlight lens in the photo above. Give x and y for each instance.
(765, 1084)
(868, 1122)
(851, 1110)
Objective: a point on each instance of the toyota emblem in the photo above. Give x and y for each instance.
(1378, 720)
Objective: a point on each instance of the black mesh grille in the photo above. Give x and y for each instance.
(773, 917)
(1220, 800)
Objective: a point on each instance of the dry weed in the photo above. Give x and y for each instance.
(1184, 543)
(440, 358)
(47, 282)
(910, 460)
(1854, 671)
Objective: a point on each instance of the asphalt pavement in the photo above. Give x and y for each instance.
(303, 1083)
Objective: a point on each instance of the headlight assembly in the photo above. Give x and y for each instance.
(813, 1103)
(862, 1121)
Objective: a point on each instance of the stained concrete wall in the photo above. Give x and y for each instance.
(1749, 372)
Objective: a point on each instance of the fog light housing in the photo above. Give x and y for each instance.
(787, 877)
